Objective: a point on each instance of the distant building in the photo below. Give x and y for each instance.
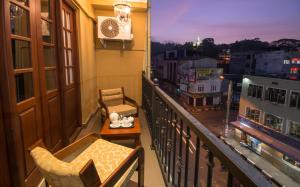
(242, 63)
(269, 121)
(270, 63)
(166, 65)
(200, 82)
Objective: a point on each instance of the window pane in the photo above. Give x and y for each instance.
(71, 72)
(24, 86)
(64, 37)
(46, 31)
(49, 56)
(21, 54)
(69, 39)
(19, 21)
(66, 76)
(51, 80)
(294, 99)
(70, 57)
(45, 8)
(295, 129)
(67, 21)
(273, 122)
(66, 59)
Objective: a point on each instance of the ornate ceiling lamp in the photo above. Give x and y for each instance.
(122, 10)
(16, 11)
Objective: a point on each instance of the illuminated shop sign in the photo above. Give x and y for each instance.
(203, 73)
(292, 61)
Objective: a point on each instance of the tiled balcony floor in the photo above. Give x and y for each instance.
(153, 176)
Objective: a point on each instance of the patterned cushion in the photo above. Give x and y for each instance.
(105, 155)
(125, 110)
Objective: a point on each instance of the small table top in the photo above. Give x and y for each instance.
(106, 131)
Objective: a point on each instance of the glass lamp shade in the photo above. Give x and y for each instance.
(122, 11)
(15, 11)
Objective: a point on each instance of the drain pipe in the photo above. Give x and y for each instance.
(148, 37)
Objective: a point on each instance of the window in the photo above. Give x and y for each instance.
(213, 88)
(294, 129)
(200, 88)
(273, 122)
(252, 114)
(295, 100)
(291, 161)
(255, 91)
(275, 95)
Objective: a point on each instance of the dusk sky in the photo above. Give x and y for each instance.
(225, 20)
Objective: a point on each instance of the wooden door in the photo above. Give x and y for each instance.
(70, 71)
(48, 69)
(23, 103)
(4, 171)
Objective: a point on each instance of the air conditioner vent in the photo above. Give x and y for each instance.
(110, 28)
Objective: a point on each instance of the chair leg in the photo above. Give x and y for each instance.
(141, 168)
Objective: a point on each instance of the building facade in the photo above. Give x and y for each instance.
(200, 82)
(269, 121)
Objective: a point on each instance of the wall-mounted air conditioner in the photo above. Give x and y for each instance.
(109, 28)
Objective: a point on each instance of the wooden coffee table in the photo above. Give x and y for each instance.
(122, 133)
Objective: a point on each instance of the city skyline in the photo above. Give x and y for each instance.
(184, 20)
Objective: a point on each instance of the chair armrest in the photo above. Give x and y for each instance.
(66, 151)
(103, 105)
(138, 153)
(89, 175)
(132, 102)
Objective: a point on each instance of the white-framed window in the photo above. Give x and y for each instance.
(252, 114)
(201, 88)
(273, 122)
(294, 129)
(295, 99)
(255, 91)
(275, 95)
(213, 88)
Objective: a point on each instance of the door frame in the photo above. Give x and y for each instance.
(5, 177)
(60, 44)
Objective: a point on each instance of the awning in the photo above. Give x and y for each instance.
(268, 140)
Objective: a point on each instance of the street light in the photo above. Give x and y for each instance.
(228, 108)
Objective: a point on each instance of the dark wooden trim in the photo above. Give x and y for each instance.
(89, 175)
(38, 143)
(62, 69)
(133, 102)
(138, 153)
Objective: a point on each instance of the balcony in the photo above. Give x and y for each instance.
(180, 151)
(187, 152)
(50, 76)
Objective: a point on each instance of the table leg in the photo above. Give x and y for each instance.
(137, 141)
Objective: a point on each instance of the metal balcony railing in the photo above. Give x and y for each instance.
(188, 153)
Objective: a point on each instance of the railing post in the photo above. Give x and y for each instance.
(154, 115)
